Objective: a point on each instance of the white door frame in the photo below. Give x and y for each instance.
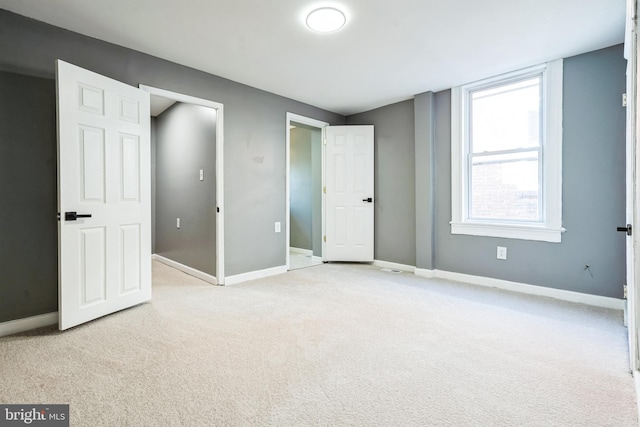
(291, 117)
(219, 165)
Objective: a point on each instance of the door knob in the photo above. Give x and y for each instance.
(368, 200)
(72, 216)
(626, 229)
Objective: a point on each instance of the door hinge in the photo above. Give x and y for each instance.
(325, 239)
(324, 189)
(325, 141)
(624, 287)
(624, 99)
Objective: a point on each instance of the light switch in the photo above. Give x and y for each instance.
(201, 174)
(277, 227)
(177, 222)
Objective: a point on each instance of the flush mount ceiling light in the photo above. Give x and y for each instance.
(326, 20)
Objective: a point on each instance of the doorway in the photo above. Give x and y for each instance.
(304, 181)
(201, 232)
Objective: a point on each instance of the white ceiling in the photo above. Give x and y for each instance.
(387, 52)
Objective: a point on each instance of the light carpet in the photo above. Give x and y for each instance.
(330, 345)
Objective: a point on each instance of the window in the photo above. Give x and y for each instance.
(507, 155)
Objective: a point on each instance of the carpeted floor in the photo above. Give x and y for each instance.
(330, 345)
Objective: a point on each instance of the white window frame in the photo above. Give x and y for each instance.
(550, 228)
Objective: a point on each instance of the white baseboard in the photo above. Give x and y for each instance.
(307, 252)
(22, 325)
(394, 266)
(252, 275)
(594, 300)
(186, 269)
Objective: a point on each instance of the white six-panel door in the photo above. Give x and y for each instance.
(104, 172)
(349, 194)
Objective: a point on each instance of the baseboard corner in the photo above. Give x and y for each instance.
(423, 272)
(394, 266)
(253, 275)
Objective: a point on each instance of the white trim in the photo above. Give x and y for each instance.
(185, 269)
(291, 117)
(253, 275)
(594, 300)
(219, 165)
(508, 231)
(394, 266)
(306, 252)
(523, 288)
(549, 231)
(28, 323)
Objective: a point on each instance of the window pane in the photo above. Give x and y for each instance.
(505, 117)
(505, 190)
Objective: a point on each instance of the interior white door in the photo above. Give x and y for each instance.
(349, 200)
(103, 172)
(632, 195)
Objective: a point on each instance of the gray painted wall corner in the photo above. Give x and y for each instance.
(395, 220)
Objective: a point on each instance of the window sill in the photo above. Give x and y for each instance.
(509, 231)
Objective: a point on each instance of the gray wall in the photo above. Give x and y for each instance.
(186, 143)
(413, 187)
(254, 152)
(593, 188)
(28, 225)
(424, 112)
(316, 190)
(154, 144)
(394, 177)
(301, 189)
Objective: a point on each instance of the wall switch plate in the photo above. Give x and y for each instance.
(278, 227)
(201, 174)
(177, 222)
(502, 252)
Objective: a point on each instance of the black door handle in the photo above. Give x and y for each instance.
(368, 200)
(628, 229)
(72, 216)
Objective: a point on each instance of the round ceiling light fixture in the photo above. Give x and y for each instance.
(326, 20)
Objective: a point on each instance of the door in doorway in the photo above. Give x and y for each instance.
(103, 195)
(349, 194)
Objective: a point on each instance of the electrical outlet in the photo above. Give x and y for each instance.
(502, 253)
(177, 222)
(278, 227)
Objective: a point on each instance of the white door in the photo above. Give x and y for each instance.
(104, 232)
(349, 194)
(632, 195)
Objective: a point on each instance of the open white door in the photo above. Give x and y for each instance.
(631, 178)
(104, 190)
(349, 194)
